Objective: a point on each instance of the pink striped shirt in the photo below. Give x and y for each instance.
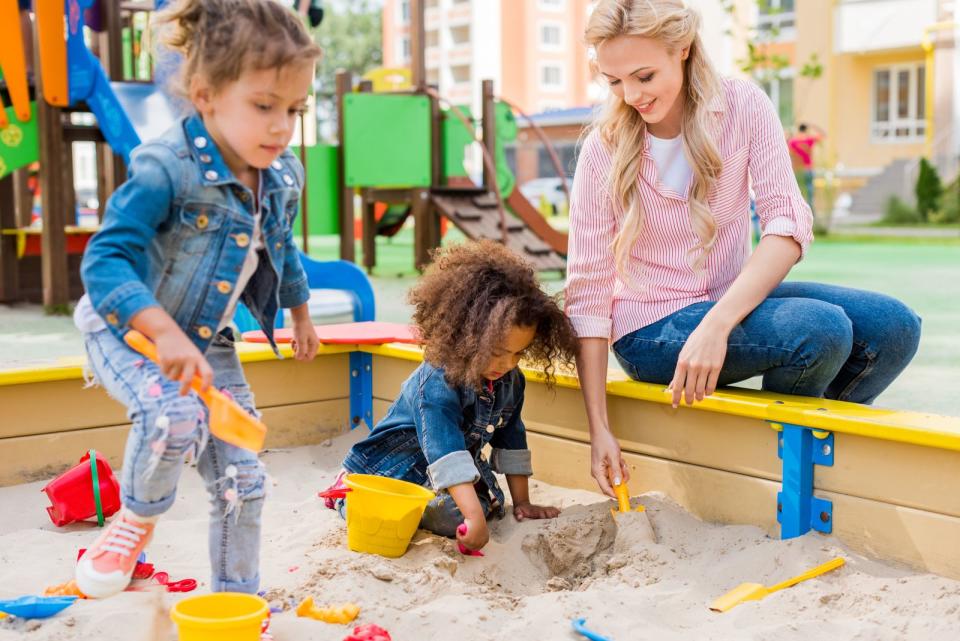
(751, 143)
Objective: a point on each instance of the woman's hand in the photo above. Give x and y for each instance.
(528, 510)
(699, 363)
(180, 360)
(607, 462)
(477, 536)
(305, 343)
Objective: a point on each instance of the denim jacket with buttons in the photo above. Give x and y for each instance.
(434, 434)
(176, 234)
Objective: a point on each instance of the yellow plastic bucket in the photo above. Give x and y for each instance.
(224, 616)
(383, 513)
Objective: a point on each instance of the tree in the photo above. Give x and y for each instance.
(929, 190)
(351, 38)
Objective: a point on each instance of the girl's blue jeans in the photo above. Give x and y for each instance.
(808, 339)
(169, 428)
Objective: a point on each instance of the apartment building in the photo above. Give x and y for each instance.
(531, 49)
(889, 92)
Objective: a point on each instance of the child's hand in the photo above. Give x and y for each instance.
(527, 510)
(477, 534)
(305, 343)
(180, 359)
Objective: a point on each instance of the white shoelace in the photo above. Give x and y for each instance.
(124, 537)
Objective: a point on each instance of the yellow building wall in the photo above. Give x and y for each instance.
(841, 99)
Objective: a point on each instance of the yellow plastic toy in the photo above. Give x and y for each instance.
(69, 588)
(383, 513)
(335, 614)
(755, 591)
(224, 616)
(623, 500)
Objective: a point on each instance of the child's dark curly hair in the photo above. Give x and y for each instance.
(468, 300)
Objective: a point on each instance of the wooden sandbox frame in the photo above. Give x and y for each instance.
(884, 482)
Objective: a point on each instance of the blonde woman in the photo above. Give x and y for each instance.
(659, 261)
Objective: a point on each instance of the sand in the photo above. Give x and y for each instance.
(648, 575)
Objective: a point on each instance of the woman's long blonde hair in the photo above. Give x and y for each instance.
(623, 131)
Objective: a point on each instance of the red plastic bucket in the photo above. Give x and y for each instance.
(86, 490)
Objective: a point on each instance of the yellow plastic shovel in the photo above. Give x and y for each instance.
(228, 421)
(623, 500)
(755, 591)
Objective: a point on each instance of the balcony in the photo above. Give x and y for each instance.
(865, 26)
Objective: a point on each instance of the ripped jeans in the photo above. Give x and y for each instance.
(168, 429)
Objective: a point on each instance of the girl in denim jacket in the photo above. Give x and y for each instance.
(479, 310)
(203, 221)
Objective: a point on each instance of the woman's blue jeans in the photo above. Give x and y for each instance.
(808, 339)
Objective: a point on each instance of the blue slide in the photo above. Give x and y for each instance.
(128, 113)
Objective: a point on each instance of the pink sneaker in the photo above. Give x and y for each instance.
(106, 567)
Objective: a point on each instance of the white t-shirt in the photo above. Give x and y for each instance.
(250, 263)
(672, 166)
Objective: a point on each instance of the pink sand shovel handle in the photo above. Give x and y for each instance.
(462, 529)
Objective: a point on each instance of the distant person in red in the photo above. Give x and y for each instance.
(801, 150)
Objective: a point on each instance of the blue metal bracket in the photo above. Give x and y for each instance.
(361, 389)
(798, 510)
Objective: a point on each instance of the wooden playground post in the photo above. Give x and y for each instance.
(9, 263)
(111, 170)
(423, 226)
(368, 212)
(53, 240)
(347, 250)
(489, 123)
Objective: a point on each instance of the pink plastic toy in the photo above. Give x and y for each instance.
(85, 490)
(462, 529)
(368, 632)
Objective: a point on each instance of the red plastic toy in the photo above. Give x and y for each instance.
(368, 632)
(87, 489)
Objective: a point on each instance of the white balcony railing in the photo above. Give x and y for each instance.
(862, 26)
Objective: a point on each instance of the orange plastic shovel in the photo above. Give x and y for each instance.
(228, 421)
(755, 591)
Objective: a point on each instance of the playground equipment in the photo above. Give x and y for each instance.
(405, 150)
(43, 263)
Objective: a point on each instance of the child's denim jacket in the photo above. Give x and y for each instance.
(176, 234)
(434, 434)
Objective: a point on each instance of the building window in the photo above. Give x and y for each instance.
(551, 36)
(780, 90)
(551, 77)
(551, 5)
(776, 16)
(899, 108)
(404, 11)
(404, 49)
(460, 36)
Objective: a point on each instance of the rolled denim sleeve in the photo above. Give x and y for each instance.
(437, 417)
(294, 290)
(510, 453)
(114, 264)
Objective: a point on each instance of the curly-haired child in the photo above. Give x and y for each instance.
(479, 310)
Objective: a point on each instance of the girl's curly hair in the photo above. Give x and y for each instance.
(471, 296)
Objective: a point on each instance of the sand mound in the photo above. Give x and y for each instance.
(537, 575)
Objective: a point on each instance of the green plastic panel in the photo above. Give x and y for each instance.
(456, 138)
(386, 140)
(323, 197)
(19, 144)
